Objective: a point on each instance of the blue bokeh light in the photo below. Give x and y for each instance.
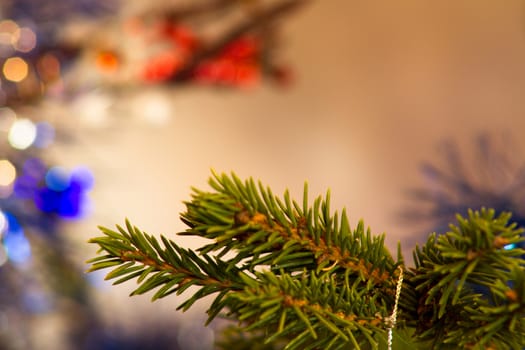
(69, 205)
(83, 177)
(57, 179)
(17, 247)
(25, 186)
(65, 194)
(35, 168)
(47, 200)
(15, 242)
(45, 134)
(13, 226)
(55, 190)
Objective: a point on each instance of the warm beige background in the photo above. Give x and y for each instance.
(379, 84)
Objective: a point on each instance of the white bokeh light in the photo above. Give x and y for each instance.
(22, 134)
(3, 223)
(93, 108)
(153, 107)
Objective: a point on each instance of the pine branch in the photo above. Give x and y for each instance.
(469, 284)
(313, 309)
(291, 242)
(299, 275)
(168, 267)
(233, 338)
(265, 230)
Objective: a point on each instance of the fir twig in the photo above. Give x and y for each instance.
(168, 267)
(300, 276)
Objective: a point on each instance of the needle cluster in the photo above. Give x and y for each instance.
(300, 277)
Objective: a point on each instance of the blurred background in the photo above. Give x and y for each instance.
(408, 111)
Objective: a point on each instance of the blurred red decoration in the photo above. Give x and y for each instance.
(182, 50)
(236, 65)
(162, 67)
(246, 47)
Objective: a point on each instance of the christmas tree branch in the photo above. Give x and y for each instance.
(138, 255)
(287, 240)
(313, 308)
(265, 230)
(299, 275)
(470, 273)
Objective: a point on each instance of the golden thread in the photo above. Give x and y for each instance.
(393, 317)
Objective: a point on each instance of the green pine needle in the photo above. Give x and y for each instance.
(299, 277)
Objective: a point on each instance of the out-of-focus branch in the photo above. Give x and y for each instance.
(195, 9)
(260, 19)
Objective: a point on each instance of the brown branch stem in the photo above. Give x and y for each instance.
(143, 258)
(332, 254)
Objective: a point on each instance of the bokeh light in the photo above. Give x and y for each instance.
(8, 32)
(25, 186)
(48, 67)
(15, 69)
(83, 177)
(34, 168)
(27, 183)
(7, 118)
(108, 61)
(153, 107)
(74, 204)
(65, 193)
(22, 134)
(57, 179)
(45, 134)
(26, 40)
(7, 173)
(15, 242)
(13, 226)
(17, 247)
(3, 223)
(93, 107)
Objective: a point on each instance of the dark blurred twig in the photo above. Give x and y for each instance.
(258, 20)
